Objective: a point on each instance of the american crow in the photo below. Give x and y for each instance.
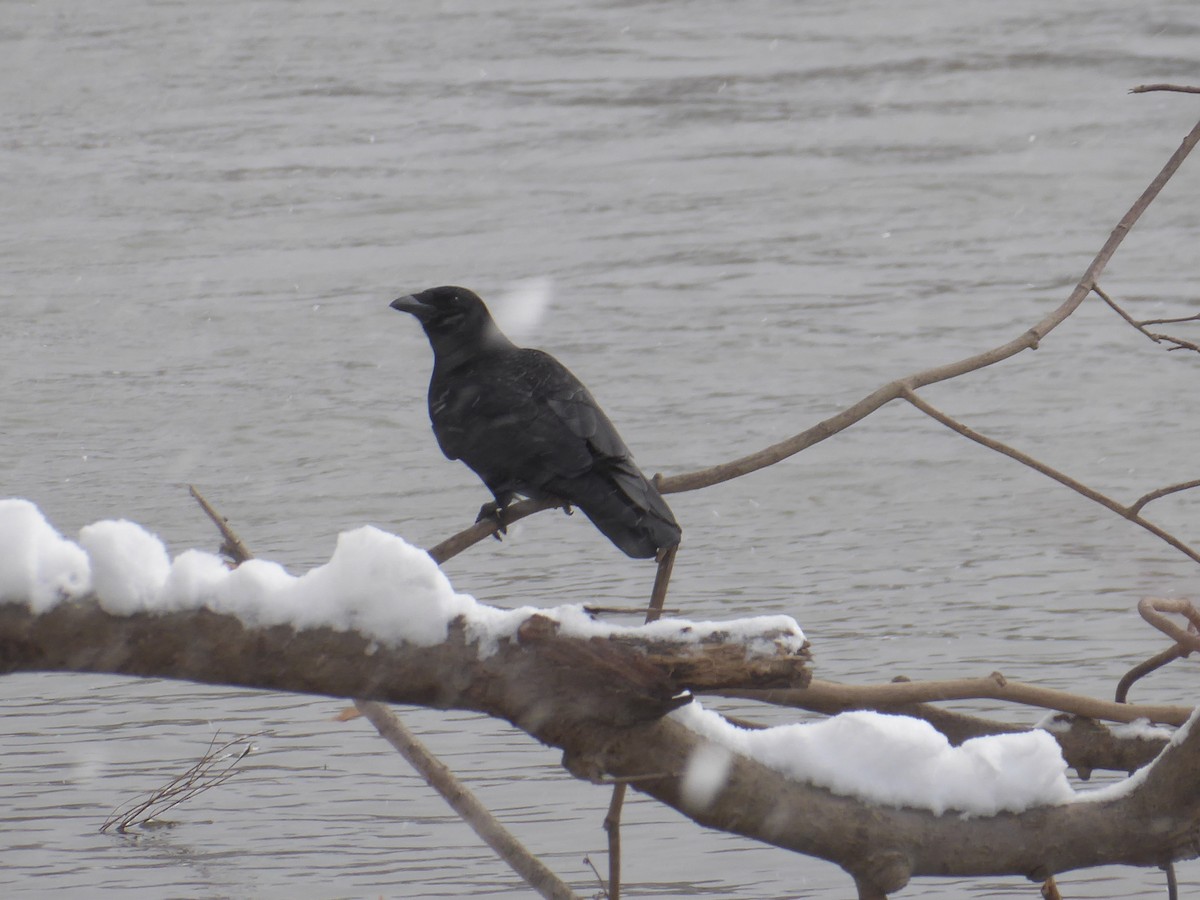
(527, 426)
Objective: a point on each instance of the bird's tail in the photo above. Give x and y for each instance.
(627, 509)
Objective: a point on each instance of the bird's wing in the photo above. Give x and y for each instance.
(573, 406)
(512, 419)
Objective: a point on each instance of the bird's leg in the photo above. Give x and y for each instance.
(493, 511)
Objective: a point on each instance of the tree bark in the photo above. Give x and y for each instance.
(602, 701)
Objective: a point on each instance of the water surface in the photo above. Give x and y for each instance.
(751, 214)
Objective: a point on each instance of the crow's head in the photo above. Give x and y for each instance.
(453, 318)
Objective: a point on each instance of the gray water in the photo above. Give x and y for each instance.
(752, 215)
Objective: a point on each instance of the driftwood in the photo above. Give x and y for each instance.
(619, 680)
(602, 701)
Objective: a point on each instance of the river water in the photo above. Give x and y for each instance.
(747, 215)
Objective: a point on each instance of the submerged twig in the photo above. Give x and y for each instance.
(202, 776)
(436, 774)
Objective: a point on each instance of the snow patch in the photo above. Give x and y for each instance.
(129, 566)
(375, 583)
(37, 564)
(900, 761)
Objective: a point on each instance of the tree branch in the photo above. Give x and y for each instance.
(831, 697)
(1180, 343)
(1029, 340)
(1177, 88)
(470, 810)
(602, 702)
(1125, 512)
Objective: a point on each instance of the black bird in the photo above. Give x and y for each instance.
(527, 426)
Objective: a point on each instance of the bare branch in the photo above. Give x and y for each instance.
(203, 775)
(1178, 88)
(1178, 320)
(1124, 512)
(1121, 312)
(1136, 506)
(468, 537)
(1144, 668)
(831, 697)
(1180, 343)
(1152, 609)
(1029, 340)
(231, 544)
(484, 824)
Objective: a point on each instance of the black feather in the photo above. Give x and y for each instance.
(528, 427)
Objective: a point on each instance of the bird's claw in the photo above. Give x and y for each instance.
(493, 512)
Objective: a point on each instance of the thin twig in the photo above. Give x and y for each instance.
(438, 776)
(612, 827)
(1121, 312)
(231, 545)
(1124, 512)
(199, 778)
(624, 610)
(1050, 889)
(1144, 668)
(468, 537)
(1178, 320)
(1136, 506)
(587, 861)
(612, 818)
(1154, 609)
(823, 696)
(1180, 343)
(662, 578)
(691, 481)
(1177, 88)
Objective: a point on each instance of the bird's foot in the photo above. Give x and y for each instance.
(493, 512)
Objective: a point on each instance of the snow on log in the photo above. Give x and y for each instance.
(379, 621)
(884, 796)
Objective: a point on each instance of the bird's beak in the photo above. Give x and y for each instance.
(413, 305)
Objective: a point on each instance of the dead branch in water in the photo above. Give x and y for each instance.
(218, 764)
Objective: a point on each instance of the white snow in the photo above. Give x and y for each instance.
(36, 564)
(1120, 788)
(129, 565)
(1142, 730)
(899, 761)
(375, 583)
